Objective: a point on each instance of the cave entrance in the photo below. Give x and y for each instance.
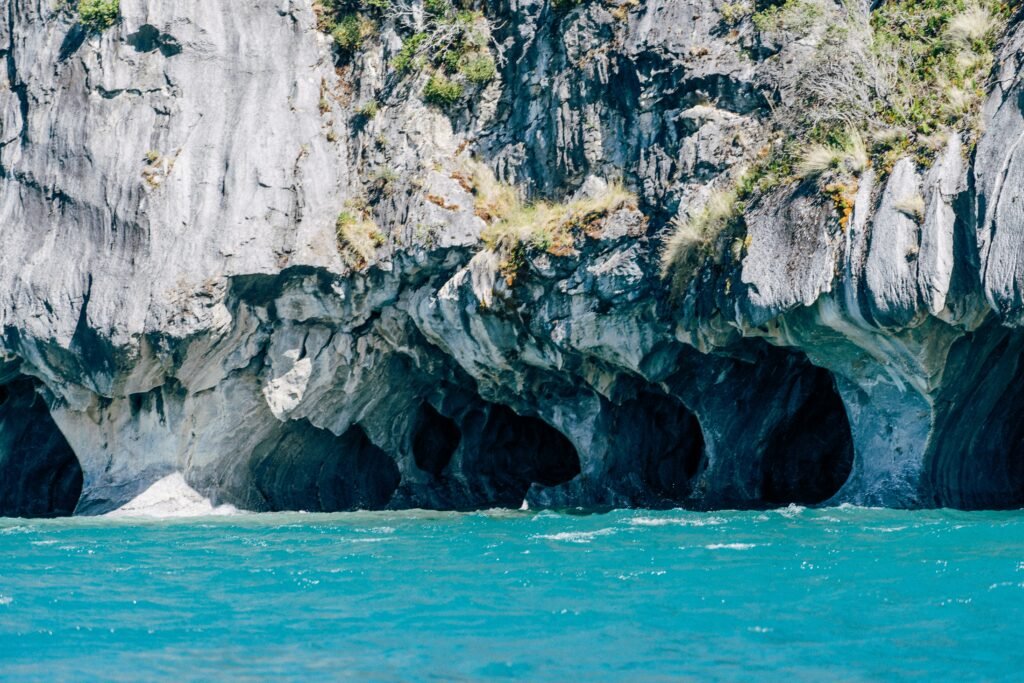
(978, 458)
(311, 469)
(39, 473)
(661, 440)
(808, 455)
(435, 440)
(518, 451)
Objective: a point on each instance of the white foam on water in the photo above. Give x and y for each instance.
(6, 600)
(171, 497)
(792, 510)
(731, 546)
(575, 536)
(669, 521)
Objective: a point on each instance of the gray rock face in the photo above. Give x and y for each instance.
(175, 297)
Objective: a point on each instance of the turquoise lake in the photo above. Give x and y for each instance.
(800, 595)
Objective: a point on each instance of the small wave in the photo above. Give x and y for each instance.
(792, 510)
(676, 521)
(575, 536)
(731, 546)
(6, 600)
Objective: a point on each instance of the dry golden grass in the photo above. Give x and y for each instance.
(492, 198)
(912, 206)
(693, 236)
(358, 238)
(553, 227)
(851, 157)
(971, 25)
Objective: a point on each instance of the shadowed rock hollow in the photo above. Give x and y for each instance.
(39, 475)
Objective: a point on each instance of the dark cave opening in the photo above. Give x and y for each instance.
(517, 451)
(808, 455)
(664, 443)
(978, 457)
(39, 473)
(435, 441)
(311, 469)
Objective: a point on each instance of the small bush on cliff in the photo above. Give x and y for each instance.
(98, 15)
(492, 199)
(352, 31)
(693, 237)
(734, 12)
(442, 91)
(479, 69)
(846, 156)
(358, 238)
(935, 58)
(792, 16)
(454, 44)
(549, 227)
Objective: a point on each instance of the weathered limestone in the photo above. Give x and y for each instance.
(175, 307)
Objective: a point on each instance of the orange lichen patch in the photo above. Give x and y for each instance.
(440, 201)
(843, 196)
(464, 181)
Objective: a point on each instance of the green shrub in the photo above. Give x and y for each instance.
(368, 110)
(98, 14)
(734, 12)
(406, 57)
(438, 8)
(479, 69)
(442, 91)
(791, 16)
(352, 31)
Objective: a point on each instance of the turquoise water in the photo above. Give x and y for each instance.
(803, 595)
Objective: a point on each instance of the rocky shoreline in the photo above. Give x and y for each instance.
(176, 296)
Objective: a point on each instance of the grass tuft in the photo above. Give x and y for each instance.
(358, 238)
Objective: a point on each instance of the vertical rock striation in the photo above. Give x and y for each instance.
(178, 293)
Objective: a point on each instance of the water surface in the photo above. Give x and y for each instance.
(803, 595)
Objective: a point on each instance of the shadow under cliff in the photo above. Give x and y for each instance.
(39, 473)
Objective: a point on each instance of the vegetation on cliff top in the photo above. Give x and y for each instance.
(450, 42)
(98, 15)
(882, 85)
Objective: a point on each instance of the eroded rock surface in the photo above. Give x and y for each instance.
(174, 299)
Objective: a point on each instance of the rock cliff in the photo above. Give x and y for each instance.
(243, 250)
